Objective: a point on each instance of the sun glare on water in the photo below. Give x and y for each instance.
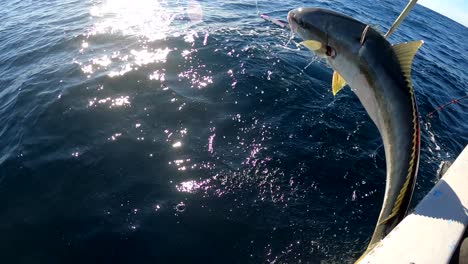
(147, 21)
(151, 19)
(146, 18)
(128, 36)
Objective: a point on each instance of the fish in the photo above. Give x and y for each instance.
(379, 73)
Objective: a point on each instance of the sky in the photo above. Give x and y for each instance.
(455, 9)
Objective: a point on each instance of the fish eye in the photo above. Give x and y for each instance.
(330, 52)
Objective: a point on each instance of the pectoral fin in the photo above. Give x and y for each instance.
(337, 83)
(312, 44)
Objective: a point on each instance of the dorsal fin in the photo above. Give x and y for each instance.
(337, 83)
(405, 53)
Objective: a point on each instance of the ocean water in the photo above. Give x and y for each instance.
(195, 132)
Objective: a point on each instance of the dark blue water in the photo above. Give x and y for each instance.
(193, 132)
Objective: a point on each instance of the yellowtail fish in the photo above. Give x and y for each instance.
(379, 73)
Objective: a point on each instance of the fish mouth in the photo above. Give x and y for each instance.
(293, 20)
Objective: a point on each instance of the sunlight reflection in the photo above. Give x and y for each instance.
(147, 18)
(124, 69)
(183, 164)
(103, 61)
(196, 79)
(114, 136)
(113, 102)
(191, 36)
(193, 186)
(211, 140)
(144, 57)
(121, 101)
(158, 76)
(138, 58)
(149, 21)
(188, 186)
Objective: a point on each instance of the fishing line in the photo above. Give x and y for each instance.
(285, 24)
(310, 63)
(442, 107)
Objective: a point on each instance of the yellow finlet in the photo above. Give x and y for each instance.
(337, 83)
(312, 44)
(405, 53)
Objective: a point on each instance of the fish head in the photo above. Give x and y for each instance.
(327, 33)
(336, 38)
